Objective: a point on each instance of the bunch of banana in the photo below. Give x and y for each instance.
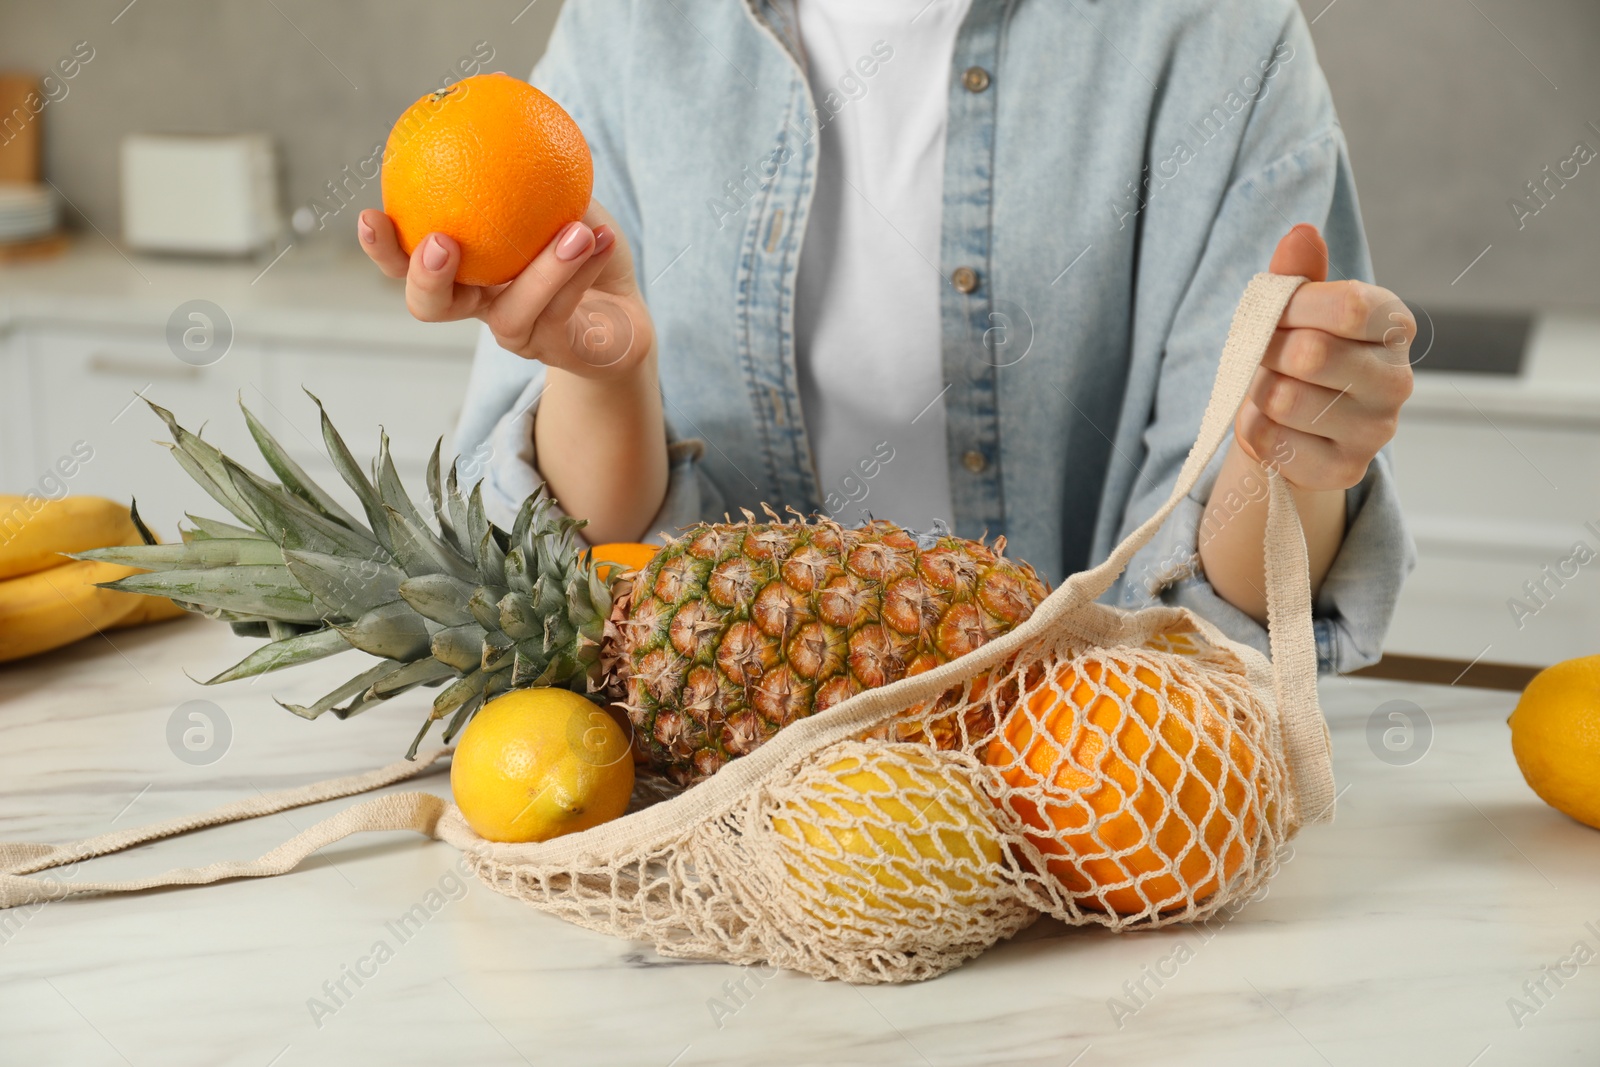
(48, 600)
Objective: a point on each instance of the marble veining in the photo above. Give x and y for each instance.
(1400, 934)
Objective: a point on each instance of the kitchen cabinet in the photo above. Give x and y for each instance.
(84, 390)
(15, 449)
(1500, 481)
(412, 396)
(83, 338)
(86, 385)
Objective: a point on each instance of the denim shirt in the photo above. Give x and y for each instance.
(1114, 174)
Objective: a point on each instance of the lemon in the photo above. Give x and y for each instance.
(538, 763)
(885, 834)
(1555, 736)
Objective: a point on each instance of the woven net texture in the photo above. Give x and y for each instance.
(1125, 771)
(1128, 769)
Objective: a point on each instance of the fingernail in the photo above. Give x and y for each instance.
(603, 238)
(574, 241)
(434, 254)
(368, 234)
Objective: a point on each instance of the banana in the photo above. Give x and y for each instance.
(34, 533)
(54, 607)
(149, 609)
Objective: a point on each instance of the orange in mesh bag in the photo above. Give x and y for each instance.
(1133, 781)
(1129, 769)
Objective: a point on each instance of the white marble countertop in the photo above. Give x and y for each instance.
(1397, 935)
(322, 292)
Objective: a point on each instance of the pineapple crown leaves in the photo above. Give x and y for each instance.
(444, 599)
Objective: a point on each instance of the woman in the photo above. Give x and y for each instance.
(969, 261)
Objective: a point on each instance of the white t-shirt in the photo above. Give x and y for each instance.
(867, 318)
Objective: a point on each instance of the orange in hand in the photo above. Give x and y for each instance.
(1113, 788)
(491, 162)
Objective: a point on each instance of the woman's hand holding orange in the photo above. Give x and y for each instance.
(576, 307)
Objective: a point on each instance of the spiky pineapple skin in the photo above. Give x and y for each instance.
(731, 633)
(735, 630)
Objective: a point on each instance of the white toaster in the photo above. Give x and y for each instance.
(195, 193)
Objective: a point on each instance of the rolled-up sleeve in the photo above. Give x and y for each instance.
(1357, 599)
(1356, 602)
(498, 449)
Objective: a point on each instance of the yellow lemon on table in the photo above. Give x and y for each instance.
(888, 836)
(1555, 735)
(538, 763)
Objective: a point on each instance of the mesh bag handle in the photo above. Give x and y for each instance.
(1293, 672)
(398, 811)
(1293, 644)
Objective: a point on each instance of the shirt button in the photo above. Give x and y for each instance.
(976, 79)
(965, 279)
(974, 461)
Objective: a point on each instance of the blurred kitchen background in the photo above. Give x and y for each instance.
(1472, 125)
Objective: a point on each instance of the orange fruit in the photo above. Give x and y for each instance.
(1113, 788)
(491, 162)
(1555, 737)
(622, 556)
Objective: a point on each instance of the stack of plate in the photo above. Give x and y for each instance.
(26, 211)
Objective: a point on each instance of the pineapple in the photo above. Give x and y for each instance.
(735, 630)
(730, 633)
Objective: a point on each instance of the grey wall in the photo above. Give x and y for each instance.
(1446, 120)
(326, 78)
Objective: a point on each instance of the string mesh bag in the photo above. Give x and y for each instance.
(1133, 773)
(1129, 769)
(1125, 768)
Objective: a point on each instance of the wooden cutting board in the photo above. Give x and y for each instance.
(19, 143)
(52, 244)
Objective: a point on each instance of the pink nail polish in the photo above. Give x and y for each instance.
(434, 254)
(368, 234)
(603, 238)
(574, 242)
